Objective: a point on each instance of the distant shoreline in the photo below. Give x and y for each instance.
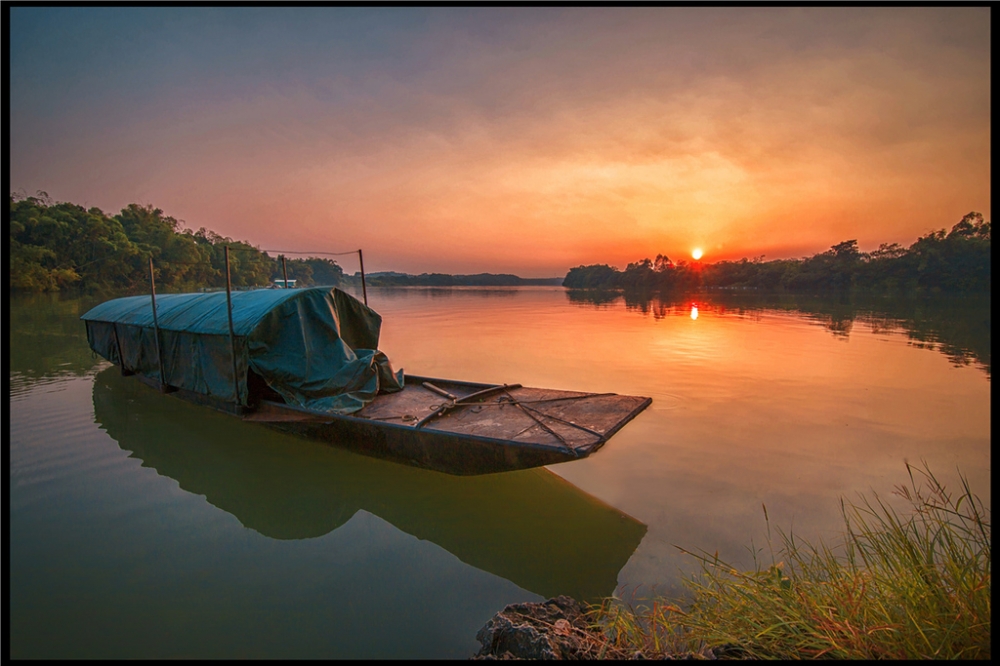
(393, 279)
(64, 246)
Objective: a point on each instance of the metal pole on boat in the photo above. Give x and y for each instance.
(156, 325)
(284, 271)
(232, 337)
(364, 289)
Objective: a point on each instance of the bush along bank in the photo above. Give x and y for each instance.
(956, 261)
(914, 586)
(66, 247)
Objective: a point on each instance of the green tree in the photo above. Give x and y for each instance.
(597, 276)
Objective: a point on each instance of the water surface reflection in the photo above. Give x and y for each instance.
(788, 401)
(45, 339)
(531, 527)
(957, 326)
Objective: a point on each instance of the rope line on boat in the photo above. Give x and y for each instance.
(569, 423)
(599, 435)
(533, 402)
(506, 399)
(547, 429)
(448, 406)
(500, 403)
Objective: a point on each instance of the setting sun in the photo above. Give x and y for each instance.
(696, 253)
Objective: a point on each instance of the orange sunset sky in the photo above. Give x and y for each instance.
(520, 140)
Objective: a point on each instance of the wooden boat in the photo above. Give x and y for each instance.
(305, 361)
(475, 429)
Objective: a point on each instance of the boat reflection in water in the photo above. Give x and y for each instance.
(530, 527)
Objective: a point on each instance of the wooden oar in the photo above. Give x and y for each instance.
(439, 391)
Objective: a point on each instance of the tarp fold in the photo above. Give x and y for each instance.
(317, 347)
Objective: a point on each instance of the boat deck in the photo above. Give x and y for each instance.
(574, 419)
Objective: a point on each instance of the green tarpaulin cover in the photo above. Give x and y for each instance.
(317, 347)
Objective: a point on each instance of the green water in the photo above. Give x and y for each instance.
(143, 526)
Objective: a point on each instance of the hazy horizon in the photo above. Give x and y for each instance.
(511, 140)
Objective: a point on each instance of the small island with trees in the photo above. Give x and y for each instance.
(958, 260)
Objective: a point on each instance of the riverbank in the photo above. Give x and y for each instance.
(913, 586)
(562, 628)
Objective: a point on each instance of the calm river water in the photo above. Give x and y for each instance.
(142, 526)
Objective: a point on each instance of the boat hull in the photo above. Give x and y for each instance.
(504, 430)
(429, 449)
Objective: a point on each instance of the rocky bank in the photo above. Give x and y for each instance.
(559, 629)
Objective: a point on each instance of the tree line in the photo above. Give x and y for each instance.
(958, 260)
(388, 279)
(60, 246)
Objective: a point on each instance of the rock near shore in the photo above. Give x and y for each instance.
(558, 629)
(550, 630)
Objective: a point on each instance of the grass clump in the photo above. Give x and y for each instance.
(898, 587)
